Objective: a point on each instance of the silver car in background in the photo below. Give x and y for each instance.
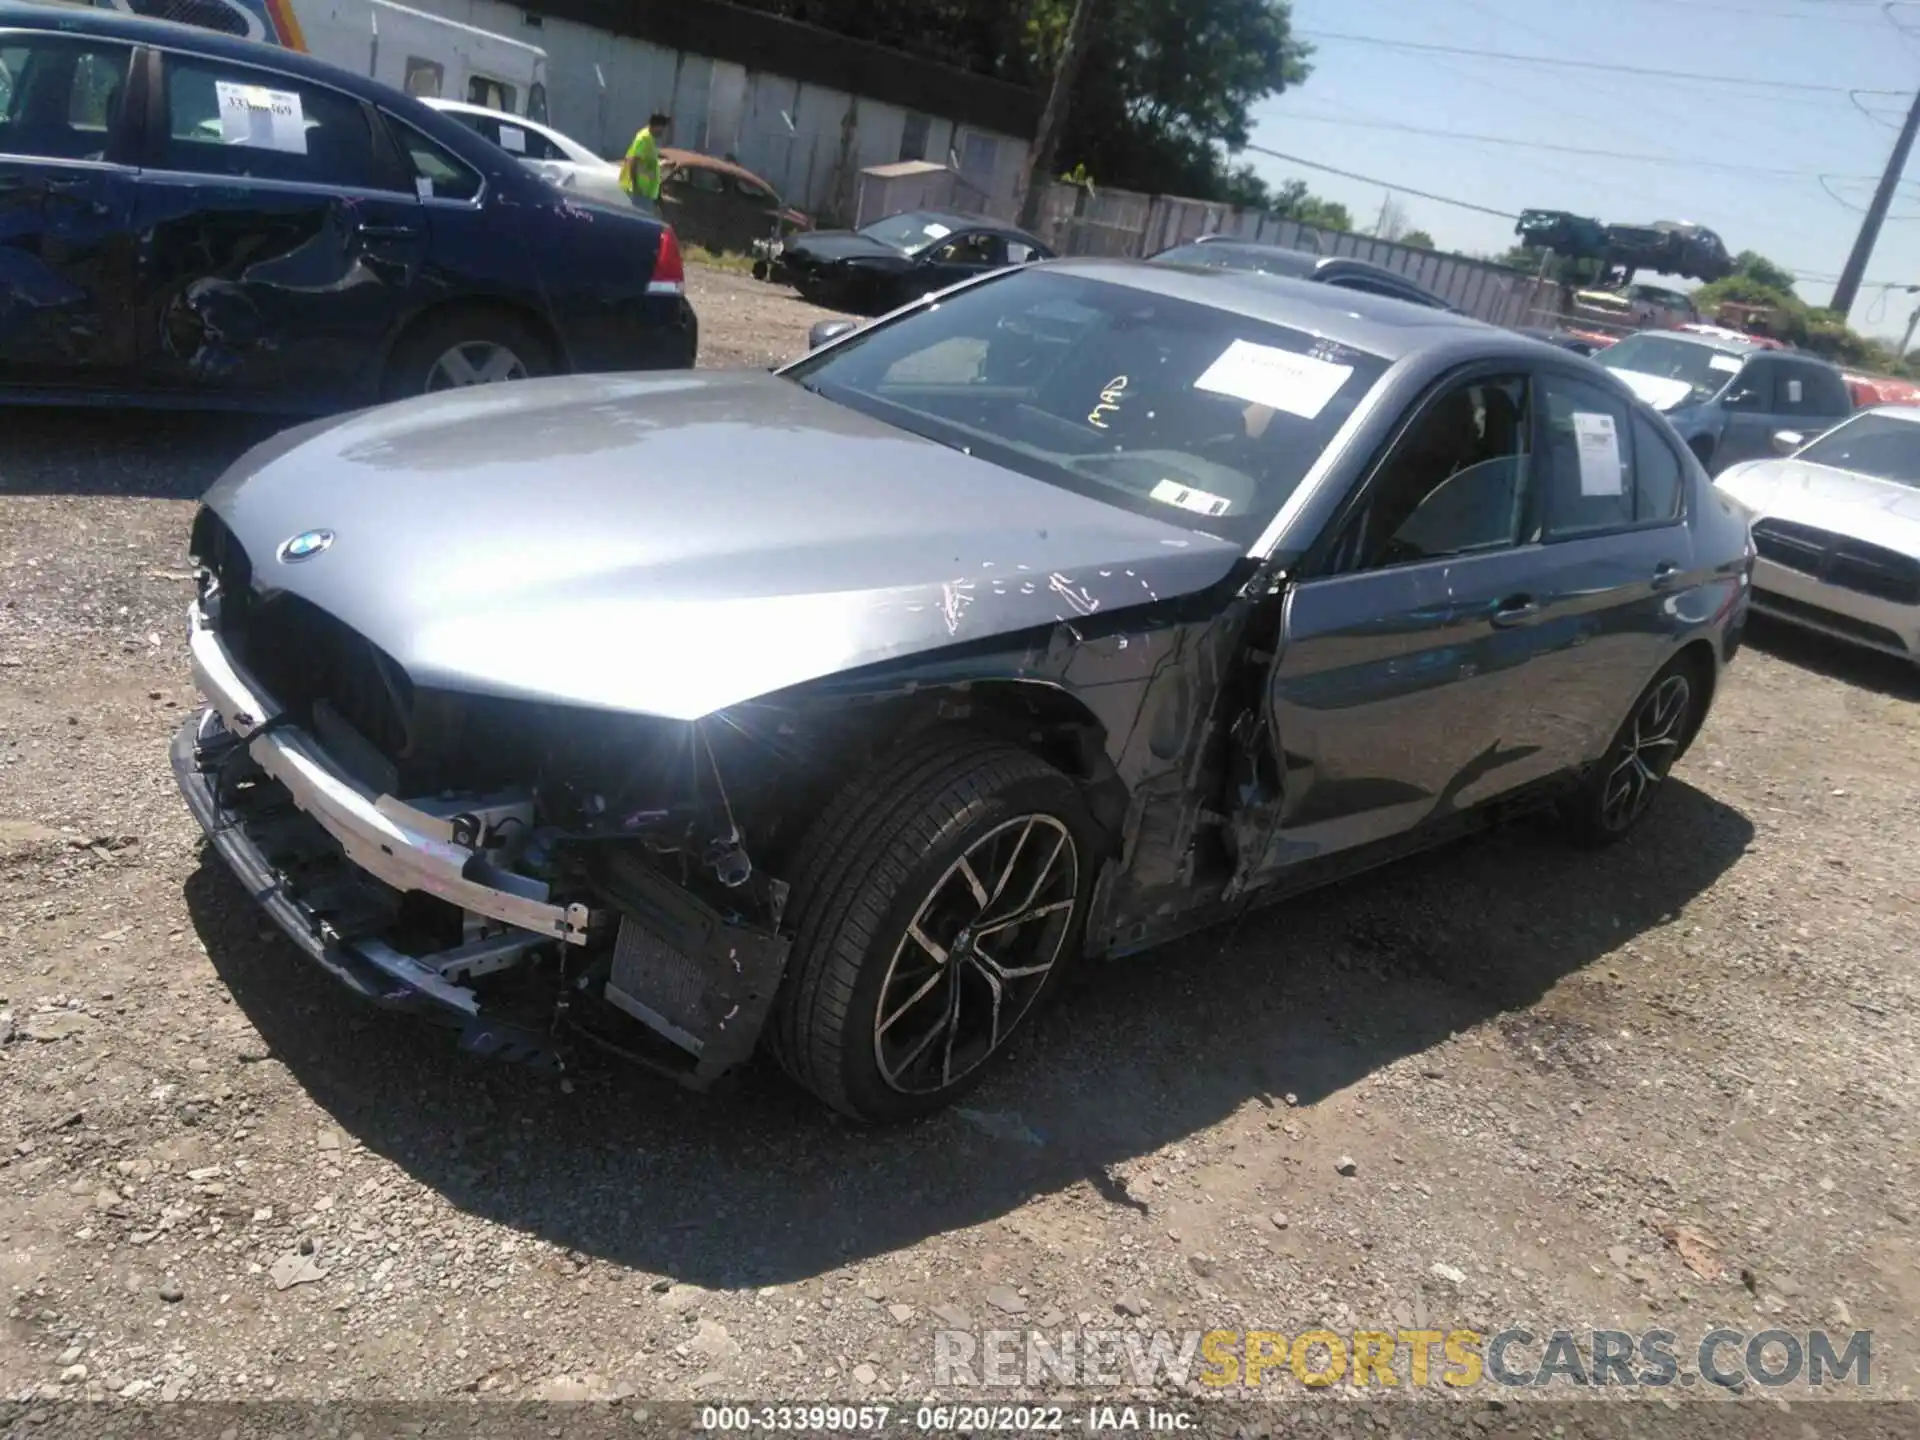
(1837, 527)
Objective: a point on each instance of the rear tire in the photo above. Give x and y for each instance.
(468, 346)
(1623, 786)
(937, 901)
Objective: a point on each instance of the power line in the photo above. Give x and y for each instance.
(1604, 154)
(1384, 184)
(1554, 60)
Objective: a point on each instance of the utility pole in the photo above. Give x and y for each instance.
(1906, 340)
(1053, 120)
(1856, 267)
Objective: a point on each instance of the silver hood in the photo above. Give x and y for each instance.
(1881, 512)
(671, 545)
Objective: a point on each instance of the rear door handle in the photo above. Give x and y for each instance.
(1515, 610)
(1664, 574)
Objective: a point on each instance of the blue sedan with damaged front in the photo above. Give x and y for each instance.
(839, 710)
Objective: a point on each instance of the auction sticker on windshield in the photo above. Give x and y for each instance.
(514, 139)
(1278, 379)
(1172, 492)
(1728, 363)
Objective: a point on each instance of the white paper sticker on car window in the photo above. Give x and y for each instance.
(265, 119)
(1278, 379)
(1172, 492)
(514, 139)
(1796, 392)
(1599, 446)
(423, 186)
(934, 230)
(1728, 363)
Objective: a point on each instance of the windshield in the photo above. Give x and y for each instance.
(1266, 259)
(1168, 408)
(912, 232)
(1703, 369)
(1883, 446)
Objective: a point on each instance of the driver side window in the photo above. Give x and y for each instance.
(971, 250)
(1455, 482)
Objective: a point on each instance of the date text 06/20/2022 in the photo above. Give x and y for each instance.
(941, 1419)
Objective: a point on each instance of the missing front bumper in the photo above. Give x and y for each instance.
(700, 984)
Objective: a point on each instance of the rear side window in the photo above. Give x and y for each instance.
(230, 120)
(59, 96)
(1659, 476)
(1801, 389)
(438, 173)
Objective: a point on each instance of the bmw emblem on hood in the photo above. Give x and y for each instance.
(305, 545)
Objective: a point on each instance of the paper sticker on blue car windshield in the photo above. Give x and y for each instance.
(1278, 379)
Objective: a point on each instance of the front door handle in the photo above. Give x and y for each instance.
(385, 232)
(1515, 610)
(1664, 574)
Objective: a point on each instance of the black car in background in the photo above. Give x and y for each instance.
(1218, 252)
(900, 258)
(191, 219)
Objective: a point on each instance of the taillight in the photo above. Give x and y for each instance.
(669, 272)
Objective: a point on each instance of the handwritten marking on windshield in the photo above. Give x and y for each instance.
(1110, 399)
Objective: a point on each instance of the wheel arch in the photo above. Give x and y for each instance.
(1060, 728)
(1704, 662)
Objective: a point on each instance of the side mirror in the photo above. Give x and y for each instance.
(827, 331)
(1785, 442)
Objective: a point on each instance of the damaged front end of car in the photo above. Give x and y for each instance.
(532, 874)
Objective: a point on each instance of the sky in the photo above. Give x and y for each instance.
(1745, 159)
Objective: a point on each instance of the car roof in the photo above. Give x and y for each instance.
(1705, 342)
(1377, 324)
(962, 220)
(73, 18)
(696, 159)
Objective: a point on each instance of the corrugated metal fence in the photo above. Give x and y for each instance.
(1122, 223)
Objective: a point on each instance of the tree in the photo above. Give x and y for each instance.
(1419, 239)
(1392, 223)
(1164, 94)
(1292, 201)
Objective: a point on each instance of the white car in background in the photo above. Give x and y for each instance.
(1837, 525)
(544, 150)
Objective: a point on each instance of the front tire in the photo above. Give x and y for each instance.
(937, 901)
(1622, 787)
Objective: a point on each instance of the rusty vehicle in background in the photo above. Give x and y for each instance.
(720, 204)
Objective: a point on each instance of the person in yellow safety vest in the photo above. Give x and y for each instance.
(640, 172)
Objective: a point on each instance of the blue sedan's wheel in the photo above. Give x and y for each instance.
(936, 903)
(460, 348)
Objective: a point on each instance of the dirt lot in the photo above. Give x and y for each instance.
(1676, 1084)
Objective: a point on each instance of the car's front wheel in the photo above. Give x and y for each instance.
(1623, 785)
(936, 902)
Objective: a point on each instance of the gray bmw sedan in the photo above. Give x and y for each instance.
(839, 710)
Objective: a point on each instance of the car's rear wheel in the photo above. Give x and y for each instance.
(1622, 787)
(462, 348)
(936, 902)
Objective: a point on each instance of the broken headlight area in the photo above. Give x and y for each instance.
(527, 869)
(656, 933)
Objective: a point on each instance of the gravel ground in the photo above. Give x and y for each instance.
(1670, 1085)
